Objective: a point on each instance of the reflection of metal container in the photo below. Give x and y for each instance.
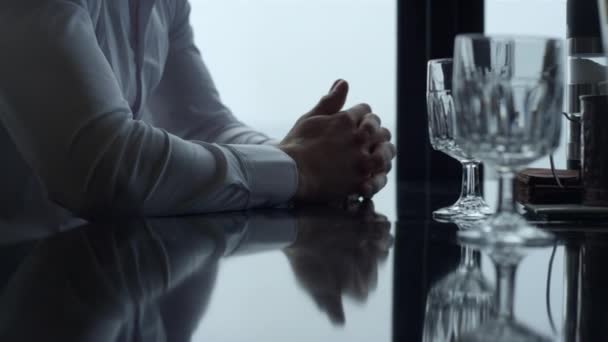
(586, 280)
(595, 149)
(572, 292)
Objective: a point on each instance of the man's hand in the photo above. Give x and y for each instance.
(339, 152)
(381, 150)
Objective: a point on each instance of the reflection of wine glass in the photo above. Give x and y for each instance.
(503, 326)
(459, 302)
(508, 94)
(441, 119)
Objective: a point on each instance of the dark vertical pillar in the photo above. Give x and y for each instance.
(426, 29)
(593, 316)
(426, 179)
(424, 252)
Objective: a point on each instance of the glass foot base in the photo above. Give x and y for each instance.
(466, 208)
(500, 330)
(507, 229)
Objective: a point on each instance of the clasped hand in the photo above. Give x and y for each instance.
(339, 153)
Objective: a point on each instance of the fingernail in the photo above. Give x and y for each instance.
(335, 86)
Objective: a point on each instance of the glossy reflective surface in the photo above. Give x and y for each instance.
(321, 274)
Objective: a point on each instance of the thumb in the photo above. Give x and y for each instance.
(333, 101)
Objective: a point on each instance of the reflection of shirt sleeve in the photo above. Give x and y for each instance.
(263, 233)
(64, 109)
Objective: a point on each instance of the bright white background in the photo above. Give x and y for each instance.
(273, 59)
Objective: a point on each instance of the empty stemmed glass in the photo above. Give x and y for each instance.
(508, 94)
(441, 118)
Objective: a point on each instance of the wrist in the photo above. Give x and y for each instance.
(302, 188)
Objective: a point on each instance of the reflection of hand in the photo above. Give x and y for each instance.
(337, 252)
(352, 140)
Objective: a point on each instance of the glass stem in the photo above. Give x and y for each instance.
(505, 290)
(506, 200)
(470, 180)
(469, 258)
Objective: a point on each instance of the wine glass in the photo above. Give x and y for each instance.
(459, 302)
(503, 326)
(441, 117)
(508, 94)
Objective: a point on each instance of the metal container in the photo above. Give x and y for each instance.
(595, 149)
(586, 68)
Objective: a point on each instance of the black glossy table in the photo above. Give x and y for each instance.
(306, 274)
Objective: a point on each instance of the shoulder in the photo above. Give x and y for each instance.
(45, 36)
(180, 32)
(40, 15)
(39, 21)
(180, 10)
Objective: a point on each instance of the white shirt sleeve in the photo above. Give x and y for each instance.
(64, 110)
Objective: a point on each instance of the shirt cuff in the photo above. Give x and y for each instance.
(272, 175)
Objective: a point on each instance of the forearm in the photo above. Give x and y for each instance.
(67, 117)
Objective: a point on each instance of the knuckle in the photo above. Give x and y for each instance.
(378, 161)
(368, 127)
(360, 137)
(383, 182)
(345, 119)
(366, 166)
(314, 122)
(389, 167)
(374, 164)
(378, 184)
(365, 107)
(375, 118)
(386, 133)
(386, 167)
(367, 189)
(376, 187)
